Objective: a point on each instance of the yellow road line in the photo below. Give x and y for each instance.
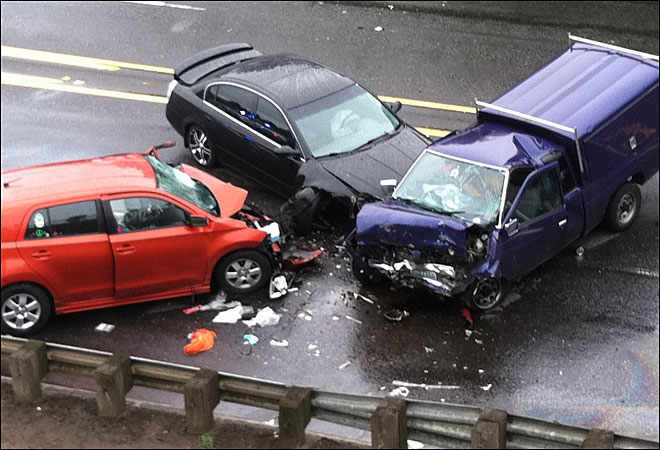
(13, 79)
(57, 84)
(427, 104)
(111, 65)
(78, 61)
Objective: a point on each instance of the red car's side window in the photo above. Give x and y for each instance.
(145, 213)
(72, 219)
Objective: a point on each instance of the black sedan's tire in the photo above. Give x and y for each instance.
(243, 272)
(25, 309)
(624, 207)
(200, 146)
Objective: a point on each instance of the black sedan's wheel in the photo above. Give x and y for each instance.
(624, 207)
(199, 144)
(243, 272)
(485, 294)
(25, 309)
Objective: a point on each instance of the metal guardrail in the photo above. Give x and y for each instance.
(441, 424)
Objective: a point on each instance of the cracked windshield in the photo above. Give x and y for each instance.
(468, 191)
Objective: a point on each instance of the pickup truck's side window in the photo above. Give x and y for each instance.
(541, 196)
(516, 180)
(566, 176)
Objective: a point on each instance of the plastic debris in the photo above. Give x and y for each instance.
(478, 342)
(362, 297)
(247, 312)
(105, 327)
(580, 253)
(468, 316)
(312, 347)
(429, 349)
(487, 387)
(232, 315)
(415, 444)
(399, 392)
(217, 304)
(395, 315)
(251, 339)
(278, 287)
(468, 333)
(345, 365)
(391, 7)
(265, 317)
(201, 341)
(481, 371)
(378, 29)
(353, 319)
(299, 256)
(283, 343)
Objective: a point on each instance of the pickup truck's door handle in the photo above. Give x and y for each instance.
(125, 249)
(42, 254)
(563, 222)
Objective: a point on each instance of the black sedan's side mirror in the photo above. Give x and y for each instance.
(395, 107)
(285, 150)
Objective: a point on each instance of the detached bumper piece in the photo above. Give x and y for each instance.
(439, 278)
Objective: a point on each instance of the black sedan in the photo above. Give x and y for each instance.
(306, 132)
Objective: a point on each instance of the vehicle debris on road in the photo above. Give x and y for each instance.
(201, 340)
(282, 343)
(395, 315)
(265, 317)
(105, 327)
(232, 315)
(251, 339)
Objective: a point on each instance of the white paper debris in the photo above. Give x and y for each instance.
(283, 343)
(105, 327)
(429, 349)
(230, 316)
(312, 347)
(487, 387)
(345, 365)
(378, 29)
(265, 317)
(399, 392)
(415, 444)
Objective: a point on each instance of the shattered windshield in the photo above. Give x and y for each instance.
(460, 189)
(343, 121)
(175, 182)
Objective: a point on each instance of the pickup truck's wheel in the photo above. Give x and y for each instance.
(365, 274)
(485, 293)
(624, 207)
(25, 309)
(199, 144)
(243, 272)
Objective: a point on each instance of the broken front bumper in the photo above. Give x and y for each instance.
(439, 278)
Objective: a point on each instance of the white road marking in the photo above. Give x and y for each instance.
(168, 5)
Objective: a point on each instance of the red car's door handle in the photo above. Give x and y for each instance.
(42, 254)
(125, 249)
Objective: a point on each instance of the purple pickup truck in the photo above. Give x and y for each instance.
(564, 150)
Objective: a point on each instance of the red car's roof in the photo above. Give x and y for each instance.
(107, 175)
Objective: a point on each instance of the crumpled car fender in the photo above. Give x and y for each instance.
(492, 266)
(312, 175)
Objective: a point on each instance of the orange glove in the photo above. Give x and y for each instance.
(202, 340)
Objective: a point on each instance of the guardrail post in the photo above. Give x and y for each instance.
(388, 424)
(598, 438)
(28, 365)
(295, 412)
(201, 394)
(490, 429)
(113, 380)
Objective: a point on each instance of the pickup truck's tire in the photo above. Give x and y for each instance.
(485, 293)
(365, 274)
(624, 207)
(25, 309)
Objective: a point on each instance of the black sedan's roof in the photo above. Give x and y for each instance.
(292, 79)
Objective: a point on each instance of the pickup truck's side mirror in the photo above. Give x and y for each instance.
(285, 150)
(198, 221)
(511, 227)
(395, 107)
(387, 187)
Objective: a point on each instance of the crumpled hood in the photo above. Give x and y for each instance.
(388, 159)
(230, 198)
(392, 222)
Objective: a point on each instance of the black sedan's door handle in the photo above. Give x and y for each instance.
(208, 118)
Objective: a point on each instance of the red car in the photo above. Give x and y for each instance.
(122, 229)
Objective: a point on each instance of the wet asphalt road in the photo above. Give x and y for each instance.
(576, 342)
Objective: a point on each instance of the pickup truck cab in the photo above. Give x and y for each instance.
(564, 150)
